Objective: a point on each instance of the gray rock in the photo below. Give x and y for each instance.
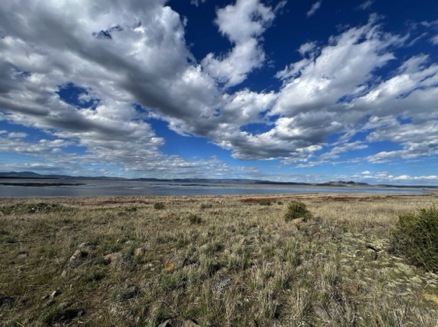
(55, 293)
(167, 323)
(76, 258)
(112, 257)
(22, 255)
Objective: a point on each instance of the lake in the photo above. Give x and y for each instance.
(104, 187)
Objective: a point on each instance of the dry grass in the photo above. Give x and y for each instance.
(218, 261)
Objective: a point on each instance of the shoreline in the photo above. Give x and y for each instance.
(240, 198)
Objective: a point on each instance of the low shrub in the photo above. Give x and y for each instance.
(205, 205)
(265, 202)
(297, 210)
(416, 237)
(194, 219)
(159, 205)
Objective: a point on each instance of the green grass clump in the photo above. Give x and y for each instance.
(194, 219)
(158, 205)
(265, 202)
(297, 210)
(416, 237)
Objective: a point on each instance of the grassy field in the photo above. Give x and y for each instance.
(210, 261)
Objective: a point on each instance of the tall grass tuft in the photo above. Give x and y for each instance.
(416, 237)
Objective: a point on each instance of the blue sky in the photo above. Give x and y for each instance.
(300, 91)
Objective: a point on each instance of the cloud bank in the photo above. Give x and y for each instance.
(129, 61)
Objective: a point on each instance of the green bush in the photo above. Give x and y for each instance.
(416, 237)
(194, 219)
(159, 205)
(297, 210)
(265, 202)
(204, 205)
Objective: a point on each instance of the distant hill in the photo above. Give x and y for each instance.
(19, 174)
(342, 183)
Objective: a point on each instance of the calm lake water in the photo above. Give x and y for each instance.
(136, 188)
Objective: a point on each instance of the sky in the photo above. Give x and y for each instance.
(291, 91)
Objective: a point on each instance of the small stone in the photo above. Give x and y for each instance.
(138, 252)
(76, 257)
(64, 273)
(167, 323)
(112, 257)
(49, 303)
(22, 255)
(254, 231)
(55, 293)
